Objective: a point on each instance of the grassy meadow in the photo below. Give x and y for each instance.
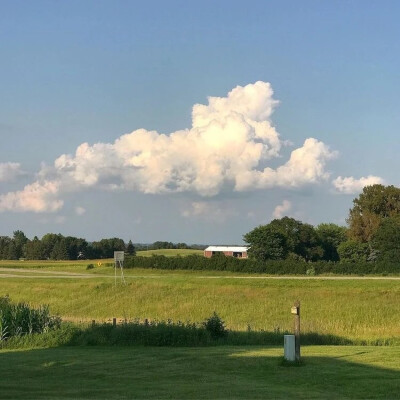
(357, 309)
(363, 310)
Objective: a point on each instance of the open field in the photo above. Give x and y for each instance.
(356, 309)
(348, 372)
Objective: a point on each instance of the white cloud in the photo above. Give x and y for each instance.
(9, 171)
(60, 219)
(281, 209)
(230, 142)
(350, 185)
(36, 197)
(80, 210)
(209, 211)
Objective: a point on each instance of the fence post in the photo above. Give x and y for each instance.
(296, 312)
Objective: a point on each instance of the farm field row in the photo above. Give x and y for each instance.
(352, 308)
(201, 373)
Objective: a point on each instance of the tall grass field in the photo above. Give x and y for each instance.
(358, 309)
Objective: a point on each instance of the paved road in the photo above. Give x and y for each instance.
(40, 274)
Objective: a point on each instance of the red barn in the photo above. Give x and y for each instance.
(233, 251)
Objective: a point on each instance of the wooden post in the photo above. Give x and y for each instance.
(93, 322)
(114, 321)
(297, 329)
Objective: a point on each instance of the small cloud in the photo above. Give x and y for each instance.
(36, 197)
(9, 171)
(251, 214)
(60, 219)
(209, 211)
(281, 209)
(350, 185)
(80, 210)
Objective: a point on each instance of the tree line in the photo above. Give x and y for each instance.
(58, 247)
(372, 234)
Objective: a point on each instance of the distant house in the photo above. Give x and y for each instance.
(233, 251)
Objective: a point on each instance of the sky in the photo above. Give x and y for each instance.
(193, 121)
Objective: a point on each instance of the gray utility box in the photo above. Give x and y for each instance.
(290, 347)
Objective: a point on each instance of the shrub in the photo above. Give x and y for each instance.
(215, 326)
(310, 271)
(90, 266)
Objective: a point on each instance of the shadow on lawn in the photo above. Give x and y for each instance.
(181, 334)
(204, 373)
(158, 333)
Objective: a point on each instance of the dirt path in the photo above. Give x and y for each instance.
(40, 274)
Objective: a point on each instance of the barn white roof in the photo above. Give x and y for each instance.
(227, 248)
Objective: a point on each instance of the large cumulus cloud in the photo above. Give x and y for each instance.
(228, 147)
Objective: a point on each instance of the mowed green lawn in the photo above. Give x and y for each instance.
(348, 372)
(356, 309)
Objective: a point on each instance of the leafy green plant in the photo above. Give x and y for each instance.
(20, 319)
(215, 326)
(310, 271)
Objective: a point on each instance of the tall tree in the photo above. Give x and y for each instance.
(386, 240)
(370, 208)
(266, 243)
(302, 239)
(20, 240)
(330, 237)
(130, 249)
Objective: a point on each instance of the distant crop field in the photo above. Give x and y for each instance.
(352, 308)
(169, 252)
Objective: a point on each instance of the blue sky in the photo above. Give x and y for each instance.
(89, 72)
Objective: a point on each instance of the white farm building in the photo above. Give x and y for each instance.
(233, 251)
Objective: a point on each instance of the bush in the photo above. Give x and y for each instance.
(271, 267)
(310, 271)
(90, 266)
(215, 326)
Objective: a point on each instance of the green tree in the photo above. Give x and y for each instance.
(370, 208)
(20, 240)
(4, 247)
(266, 243)
(330, 237)
(12, 251)
(34, 249)
(59, 251)
(353, 251)
(49, 240)
(130, 249)
(302, 239)
(386, 240)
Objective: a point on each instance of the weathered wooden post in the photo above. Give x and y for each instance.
(93, 323)
(296, 312)
(114, 321)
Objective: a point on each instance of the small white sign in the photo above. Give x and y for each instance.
(119, 256)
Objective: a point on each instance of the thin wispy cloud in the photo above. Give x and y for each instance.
(9, 171)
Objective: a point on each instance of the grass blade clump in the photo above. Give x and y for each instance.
(20, 319)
